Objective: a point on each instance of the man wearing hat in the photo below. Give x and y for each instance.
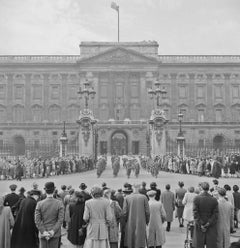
(11, 199)
(205, 212)
(86, 195)
(49, 216)
(25, 232)
(136, 214)
(153, 186)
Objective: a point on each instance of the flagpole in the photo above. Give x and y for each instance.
(118, 23)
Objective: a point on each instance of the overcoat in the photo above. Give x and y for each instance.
(6, 222)
(224, 223)
(97, 214)
(76, 211)
(155, 230)
(25, 232)
(205, 210)
(114, 224)
(136, 213)
(188, 203)
(168, 201)
(180, 192)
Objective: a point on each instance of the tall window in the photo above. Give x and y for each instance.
(37, 113)
(55, 91)
(37, 92)
(184, 112)
(134, 90)
(135, 147)
(18, 114)
(235, 92)
(104, 91)
(218, 115)
(182, 92)
(73, 113)
(200, 92)
(135, 112)
(119, 90)
(18, 92)
(104, 112)
(54, 114)
(218, 91)
(200, 115)
(72, 91)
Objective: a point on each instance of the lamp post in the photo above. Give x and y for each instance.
(87, 92)
(157, 93)
(86, 121)
(63, 142)
(157, 123)
(180, 137)
(180, 118)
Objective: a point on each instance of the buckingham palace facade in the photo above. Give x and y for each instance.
(38, 93)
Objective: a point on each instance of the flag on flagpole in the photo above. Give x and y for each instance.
(114, 6)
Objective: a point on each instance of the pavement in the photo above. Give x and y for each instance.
(174, 239)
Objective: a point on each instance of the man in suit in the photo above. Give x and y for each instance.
(49, 216)
(12, 199)
(205, 212)
(137, 214)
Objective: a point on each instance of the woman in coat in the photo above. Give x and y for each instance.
(76, 210)
(6, 223)
(25, 232)
(224, 221)
(97, 215)
(155, 232)
(180, 192)
(188, 203)
(114, 224)
(168, 201)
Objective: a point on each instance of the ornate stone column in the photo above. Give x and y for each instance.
(157, 133)
(86, 133)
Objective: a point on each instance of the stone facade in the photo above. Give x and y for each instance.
(38, 93)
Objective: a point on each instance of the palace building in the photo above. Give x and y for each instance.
(38, 93)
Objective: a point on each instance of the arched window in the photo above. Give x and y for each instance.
(54, 113)
(18, 114)
(72, 113)
(36, 113)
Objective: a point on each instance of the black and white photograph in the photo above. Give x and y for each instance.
(119, 123)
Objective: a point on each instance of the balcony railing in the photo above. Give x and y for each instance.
(168, 59)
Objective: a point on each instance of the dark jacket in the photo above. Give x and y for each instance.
(76, 211)
(25, 232)
(205, 210)
(10, 201)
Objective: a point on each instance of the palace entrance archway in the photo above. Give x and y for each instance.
(19, 146)
(218, 142)
(119, 143)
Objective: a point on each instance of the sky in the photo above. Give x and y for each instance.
(42, 27)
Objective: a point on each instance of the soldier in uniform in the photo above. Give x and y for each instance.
(11, 199)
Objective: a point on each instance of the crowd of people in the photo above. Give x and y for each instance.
(131, 217)
(23, 167)
(226, 165)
